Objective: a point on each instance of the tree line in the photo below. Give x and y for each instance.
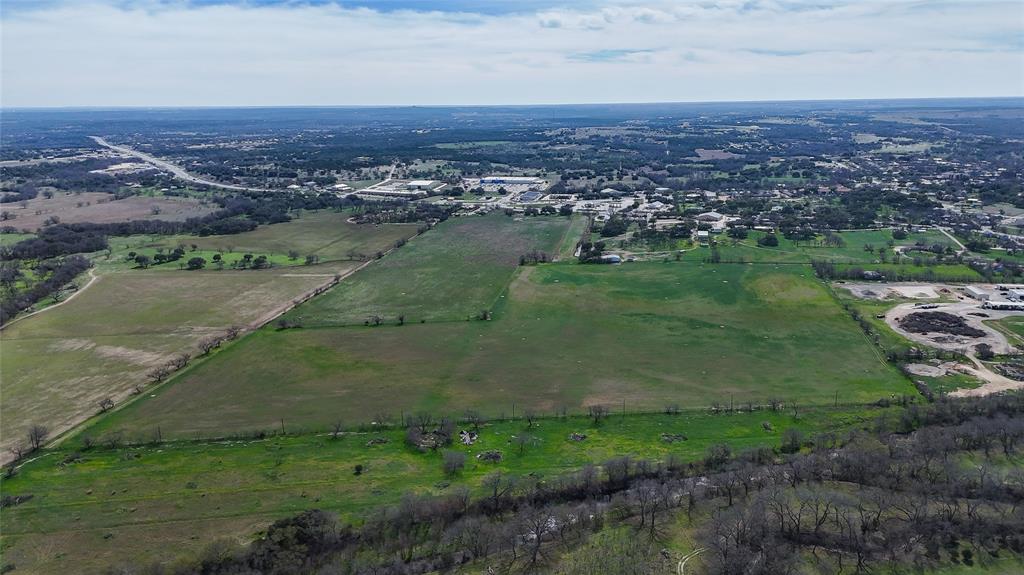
(894, 495)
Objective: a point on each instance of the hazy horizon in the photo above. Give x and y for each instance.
(143, 107)
(274, 53)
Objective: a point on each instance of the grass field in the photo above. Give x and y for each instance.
(789, 251)
(11, 239)
(100, 208)
(564, 335)
(451, 273)
(572, 237)
(937, 273)
(158, 502)
(326, 234)
(1013, 327)
(57, 365)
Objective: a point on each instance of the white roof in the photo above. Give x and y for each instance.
(420, 182)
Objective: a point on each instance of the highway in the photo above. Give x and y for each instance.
(177, 171)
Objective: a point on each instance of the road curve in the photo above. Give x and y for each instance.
(177, 171)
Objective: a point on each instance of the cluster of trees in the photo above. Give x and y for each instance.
(52, 275)
(54, 241)
(665, 238)
(832, 271)
(591, 252)
(534, 257)
(402, 212)
(914, 504)
(614, 226)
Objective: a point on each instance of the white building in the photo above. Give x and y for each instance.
(977, 293)
(420, 184)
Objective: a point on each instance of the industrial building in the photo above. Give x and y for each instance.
(977, 293)
(420, 184)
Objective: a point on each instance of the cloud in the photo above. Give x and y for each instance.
(123, 52)
(609, 55)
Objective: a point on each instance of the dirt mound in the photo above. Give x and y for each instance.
(939, 322)
(925, 370)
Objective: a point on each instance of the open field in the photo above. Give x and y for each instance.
(788, 251)
(56, 366)
(573, 235)
(101, 208)
(326, 234)
(451, 273)
(158, 502)
(1013, 327)
(11, 239)
(565, 335)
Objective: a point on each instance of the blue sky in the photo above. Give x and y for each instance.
(402, 52)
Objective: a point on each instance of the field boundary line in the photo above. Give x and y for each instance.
(252, 328)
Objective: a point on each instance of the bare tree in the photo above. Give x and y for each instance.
(423, 421)
(159, 373)
(180, 361)
(37, 435)
(523, 440)
(335, 429)
(473, 418)
(598, 412)
(208, 344)
(17, 451)
(454, 461)
(530, 416)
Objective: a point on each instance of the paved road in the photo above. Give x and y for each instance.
(177, 171)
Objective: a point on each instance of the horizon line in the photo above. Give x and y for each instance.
(102, 107)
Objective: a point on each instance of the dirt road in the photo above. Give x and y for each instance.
(92, 279)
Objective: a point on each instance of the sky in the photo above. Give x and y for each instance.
(454, 52)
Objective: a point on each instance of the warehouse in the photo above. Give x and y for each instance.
(977, 293)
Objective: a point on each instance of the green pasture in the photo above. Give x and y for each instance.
(326, 234)
(451, 273)
(95, 508)
(563, 336)
(790, 251)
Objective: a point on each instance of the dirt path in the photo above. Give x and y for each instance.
(963, 248)
(92, 279)
(995, 382)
